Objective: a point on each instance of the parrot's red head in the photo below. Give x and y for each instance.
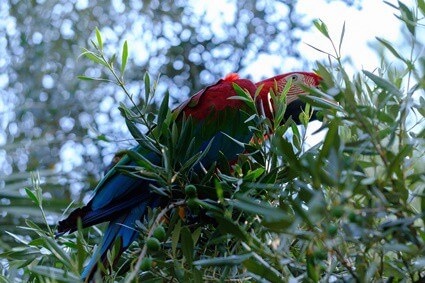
(280, 81)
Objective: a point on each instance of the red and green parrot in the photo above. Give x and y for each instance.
(123, 200)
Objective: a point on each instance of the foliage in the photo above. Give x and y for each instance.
(351, 208)
(69, 129)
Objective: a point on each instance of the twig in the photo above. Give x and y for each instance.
(406, 264)
(346, 264)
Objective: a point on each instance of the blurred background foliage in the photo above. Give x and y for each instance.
(363, 188)
(62, 127)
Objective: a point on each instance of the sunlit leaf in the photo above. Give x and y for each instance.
(124, 57)
(99, 39)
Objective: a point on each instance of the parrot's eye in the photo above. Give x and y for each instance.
(294, 78)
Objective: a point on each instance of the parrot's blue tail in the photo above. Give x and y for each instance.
(121, 229)
(122, 200)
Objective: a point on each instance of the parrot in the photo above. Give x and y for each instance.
(123, 200)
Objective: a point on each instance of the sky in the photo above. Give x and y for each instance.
(362, 26)
(374, 19)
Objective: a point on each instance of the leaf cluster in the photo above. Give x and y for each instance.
(351, 208)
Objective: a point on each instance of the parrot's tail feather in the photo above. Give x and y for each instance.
(70, 223)
(91, 217)
(121, 229)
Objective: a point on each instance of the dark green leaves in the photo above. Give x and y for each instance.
(350, 208)
(163, 111)
(187, 245)
(270, 214)
(262, 269)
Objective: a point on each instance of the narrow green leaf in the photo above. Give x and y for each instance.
(223, 261)
(312, 267)
(228, 226)
(34, 227)
(16, 237)
(243, 95)
(325, 74)
(383, 83)
(102, 137)
(187, 244)
(423, 204)
(391, 5)
(32, 196)
(421, 4)
(341, 38)
(390, 48)
(247, 100)
(95, 58)
(140, 159)
(112, 60)
(331, 140)
(286, 150)
(208, 206)
(55, 273)
(301, 212)
(134, 131)
(398, 159)
(84, 78)
(260, 208)
(60, 254)
(144, 140)
(163, 112)
(321, 26)
(253, 175)
(190, 162)
(99, 39)
(263, 269)
(175, 237)
(147, 87)
(241, 144)
(320, 50)
(124, 57)
(407, 17)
